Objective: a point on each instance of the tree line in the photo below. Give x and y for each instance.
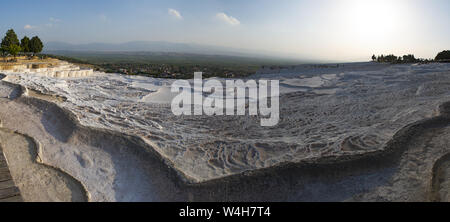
(443, 56)
(410, 58)
(11, 45)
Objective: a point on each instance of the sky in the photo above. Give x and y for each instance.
(347, 30)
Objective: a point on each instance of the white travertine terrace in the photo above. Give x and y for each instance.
(353, 132)
(324, 112)
(56, 69)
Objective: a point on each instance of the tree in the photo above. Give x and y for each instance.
(13, 50)
(36, 45)
(390, 58)
(409, 58)
(374, 58)
(10, 39)
(444, 55)
(25, 44)
(3, 52)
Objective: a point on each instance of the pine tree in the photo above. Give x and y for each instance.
(9, 39)
(9, 43)
(36, 45)
(25, 44)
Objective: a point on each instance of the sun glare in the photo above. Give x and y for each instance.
(372, 20)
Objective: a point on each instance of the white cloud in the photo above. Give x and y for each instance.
(29, 27)
(228, 19)
(55, 20)
(176, 14)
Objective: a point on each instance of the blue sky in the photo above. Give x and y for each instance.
(322, 29)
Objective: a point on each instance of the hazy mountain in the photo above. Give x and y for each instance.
(150, 46)
(128, 46)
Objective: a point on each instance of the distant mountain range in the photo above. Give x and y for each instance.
(153, 46)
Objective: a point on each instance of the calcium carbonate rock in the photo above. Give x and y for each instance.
(60, 69)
